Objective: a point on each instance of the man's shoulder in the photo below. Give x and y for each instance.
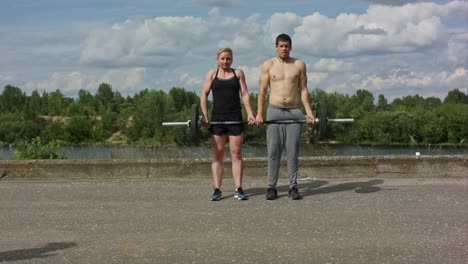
(296, 60)
(269, 61)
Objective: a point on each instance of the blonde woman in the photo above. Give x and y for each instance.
(229, 88)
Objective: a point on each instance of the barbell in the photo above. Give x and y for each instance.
(320, 122)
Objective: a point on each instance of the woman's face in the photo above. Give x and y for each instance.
(224, 60)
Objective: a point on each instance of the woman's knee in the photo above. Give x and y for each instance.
(236, 152)
(218, 155)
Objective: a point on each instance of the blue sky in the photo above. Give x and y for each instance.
(390, 47)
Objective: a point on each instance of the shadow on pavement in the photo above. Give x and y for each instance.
(358, 187)
(316, 187)
(31, 253)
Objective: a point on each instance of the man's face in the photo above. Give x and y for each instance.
(282, 49)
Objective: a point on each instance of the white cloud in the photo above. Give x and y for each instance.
(5, 78)
(332, 65)
(186, 80)
(65, 82)
(458, 50)
(151, 42)
(164, 40)
(414, 12)
(126, 81)
(214, 12)
(251, 76)
(315, 79)
(391, 2)
(394, 83)
(281, 23)
(381, 30)
(248, 35)
(343, 53)
(417, 82)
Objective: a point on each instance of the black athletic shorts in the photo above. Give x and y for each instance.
(230, 130)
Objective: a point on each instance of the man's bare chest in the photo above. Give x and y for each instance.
(284, 71)
(283, 74)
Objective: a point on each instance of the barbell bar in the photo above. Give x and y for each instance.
(321, 127)
(317, 120)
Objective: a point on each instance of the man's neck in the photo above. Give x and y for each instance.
(282, 60)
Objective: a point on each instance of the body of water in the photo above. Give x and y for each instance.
(192, 152)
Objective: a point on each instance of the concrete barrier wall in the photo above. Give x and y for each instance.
(310, 167)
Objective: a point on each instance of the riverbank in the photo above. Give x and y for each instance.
(249, 151)
(402, 166)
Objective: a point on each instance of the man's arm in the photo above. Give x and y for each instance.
(262, 90)
(305, 94)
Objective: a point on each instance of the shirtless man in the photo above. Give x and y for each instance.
(287, 79)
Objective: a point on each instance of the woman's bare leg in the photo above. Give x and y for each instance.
(218, 144)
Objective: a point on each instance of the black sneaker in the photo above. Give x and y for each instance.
(240, 195)
(294, 194)
(272, 194)
(216, 195)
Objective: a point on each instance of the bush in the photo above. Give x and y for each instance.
(37, 149)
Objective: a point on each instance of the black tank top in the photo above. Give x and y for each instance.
(226, 98)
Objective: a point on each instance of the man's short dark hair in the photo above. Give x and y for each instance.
(283, 37)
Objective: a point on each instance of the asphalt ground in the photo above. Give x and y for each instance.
(173, 221)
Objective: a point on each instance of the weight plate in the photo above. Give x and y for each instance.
(321, 128)
(194, 129)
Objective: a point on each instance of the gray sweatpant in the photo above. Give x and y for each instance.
(283, 136)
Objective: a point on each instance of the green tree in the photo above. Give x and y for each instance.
(431, 128)
(119, 101)
(338, 105)
(16, 127)
(109, 122)
(151, 107)
(455, 119)
(86, 103)
(45, 103)
(318, 95)
(54, 130)
(370, 130)
(456, 97)
(33, 105)
(408, 103)
(400, 126)
(432, 103)
(386, 128)
(12, 100)
(362, 103)
(78, 129)
(382, 103)
(104, 98)
(56, 103)
(97, 132)
(183, 99)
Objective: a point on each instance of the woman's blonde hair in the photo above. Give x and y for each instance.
(225, 49)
